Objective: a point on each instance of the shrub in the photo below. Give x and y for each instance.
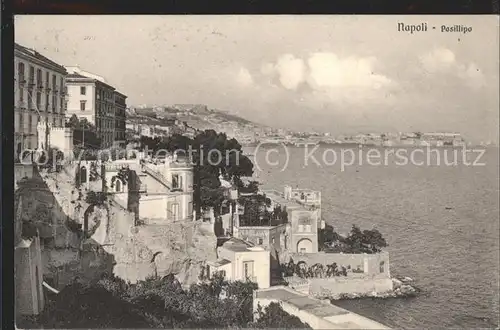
(161, 303)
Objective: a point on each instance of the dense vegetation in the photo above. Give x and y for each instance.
(162, 303)
(211, 154)
(300, 269)
(366, 241)
(256, 212)
(84, 134)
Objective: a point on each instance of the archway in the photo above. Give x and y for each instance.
(118, 185)
(305, 245)
(83, 174)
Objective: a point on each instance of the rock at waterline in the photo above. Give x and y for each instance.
(401, 289)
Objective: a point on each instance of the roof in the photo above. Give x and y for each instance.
(280, 199)
(237, 245)
(80, 77)
(76, 75)
(339, 317)
(38, 56)
(220, 262)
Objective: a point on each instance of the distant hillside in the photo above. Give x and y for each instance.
(196, 115)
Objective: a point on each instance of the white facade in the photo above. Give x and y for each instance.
(169, 195)
(75, 97)
(39, 96)
(90, 97)
(241, 262)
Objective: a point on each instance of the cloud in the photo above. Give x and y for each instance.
(329, 71)
(443, 61)
(244, 77)
(291, 71)
(327, 77)
(438, 60)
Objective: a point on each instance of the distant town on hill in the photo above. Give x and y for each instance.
(188, 119)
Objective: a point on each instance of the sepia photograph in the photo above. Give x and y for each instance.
(256, 171)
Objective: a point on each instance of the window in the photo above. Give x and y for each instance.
(118, 185)
(20, 71)
(38, 100)
(21, 122)
(62, 83)
(174, 211)
(39, 80)
(83, 90)
(30, 120)
(248, 270)
(273, 240)
(176, 181)
(32, 75)
(260, 241)
(382, 267)
(54, 88)
(208, 271)
(21, 94)
(47, 78)
(54, 120)
(223, 273)
(82, 105)
(54, 103)
(30, 101)
(62, 104)
(47, 102)
(302, 250)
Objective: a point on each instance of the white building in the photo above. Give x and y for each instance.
(40, 90)
(90, 97)
(166, 188)
(241, 261)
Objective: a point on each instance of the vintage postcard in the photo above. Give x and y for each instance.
(316, 172)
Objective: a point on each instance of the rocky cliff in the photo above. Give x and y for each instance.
(58, 210)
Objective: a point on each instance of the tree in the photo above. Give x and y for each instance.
(367, 241)
(274, 317)
(255, 210)
(373, 238)
(161, 303)
(84, 130)
(355, 239)
(212, 153)
(79, 306)
(326, 236)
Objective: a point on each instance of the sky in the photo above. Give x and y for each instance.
(338, 74)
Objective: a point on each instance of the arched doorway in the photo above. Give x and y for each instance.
(83, 174)
(118, 185)
(305, 246)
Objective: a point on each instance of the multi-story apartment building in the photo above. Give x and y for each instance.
(91, 97)
(40, 89)
(120, 117)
